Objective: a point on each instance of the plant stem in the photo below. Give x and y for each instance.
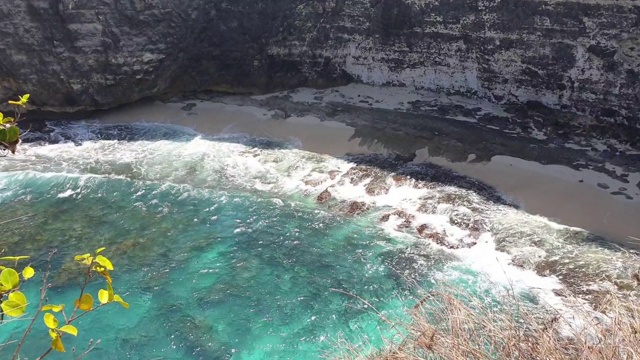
(86, 281)
(84, 313)
(45, 354)
(68, 322)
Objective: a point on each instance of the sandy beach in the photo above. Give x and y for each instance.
(570, 197)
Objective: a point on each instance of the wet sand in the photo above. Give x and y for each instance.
(307, 133)
(552, 191)
(563, 199)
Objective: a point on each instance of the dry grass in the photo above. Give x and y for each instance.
(450, 325)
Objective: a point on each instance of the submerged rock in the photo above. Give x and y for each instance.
(377, 188)
(316, 181)
(527, 257)
(359, 174)
(407, 217)
(354, 208)
(427, 232)
(468, 221)
(324, 196)
(333, 174)
(400, 180)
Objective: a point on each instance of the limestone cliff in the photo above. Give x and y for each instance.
(580, 55)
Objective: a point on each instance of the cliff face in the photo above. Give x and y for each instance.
(580, 55)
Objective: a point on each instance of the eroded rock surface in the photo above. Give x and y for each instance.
(73, 55)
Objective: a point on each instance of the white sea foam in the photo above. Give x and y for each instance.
(237, 161)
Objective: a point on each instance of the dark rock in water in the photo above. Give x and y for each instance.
(425, 175)
(427, 232)
(314, 181)
(404, 215)
(408, 218)
(377, 188)
(400, 180)
(377, 179)
(333, 174)
(603, 186)
(354, 208)
(324, 196)
(467, 221)
(359, 174)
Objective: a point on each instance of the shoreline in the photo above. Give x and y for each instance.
(576, 198)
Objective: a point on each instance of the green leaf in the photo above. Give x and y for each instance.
(14, 258)
(104, 262)
(100, 250)
(24, 98)
(13, 308)
(69, 329)
(104, 273)
(13, 134)
(9, 278)
(52, 307)
(18, 297)
(85, 259)
(85, 303)
(6, 120)
(81, 257)
(9, 134)
(56, 344)
(103, 296)
(50, 320)
(28, 272)
(119, 300)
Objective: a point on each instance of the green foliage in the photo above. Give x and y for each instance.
(9, 130)
(14, 303)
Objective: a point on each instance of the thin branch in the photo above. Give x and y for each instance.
(85, 313)
(86, 281)
(43, 293)
(91, 346)
(75, 309)
(45, 354)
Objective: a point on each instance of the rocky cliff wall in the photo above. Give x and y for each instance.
(579, 55)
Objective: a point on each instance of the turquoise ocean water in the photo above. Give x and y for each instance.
(221, 249)
(212, 268)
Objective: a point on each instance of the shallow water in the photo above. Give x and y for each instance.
(223, 253)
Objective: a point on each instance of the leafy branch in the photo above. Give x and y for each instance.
(13, 302)
(9, 130)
